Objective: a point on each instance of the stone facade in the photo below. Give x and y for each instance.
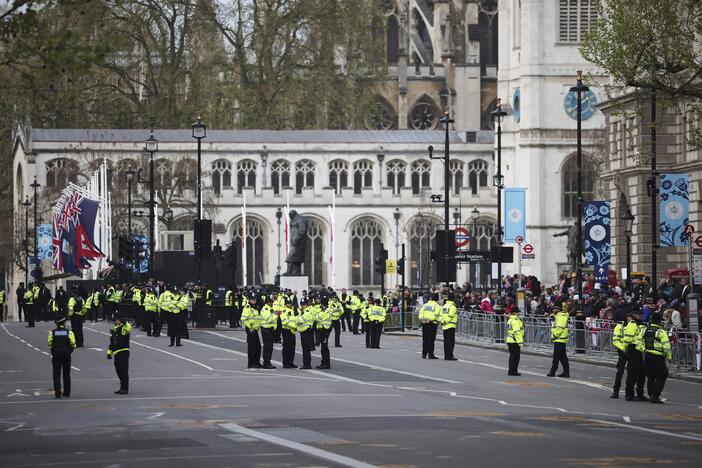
(268, 168)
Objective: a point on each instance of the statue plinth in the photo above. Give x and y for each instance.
(295, 283)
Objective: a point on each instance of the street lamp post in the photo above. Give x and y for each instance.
(498, 181)
(26, 205)
(579, 89)
(35, 185)
(199, 132)
(381, 158)
(475, 213)
(628, 219)
(151, 146)
(130, 178)
(278, 216)
(653, 192)
(457, 222)
(396, 215)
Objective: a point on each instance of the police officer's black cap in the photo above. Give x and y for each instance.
(513, 310)
(435, 297)
(60, 320)
(656, 317)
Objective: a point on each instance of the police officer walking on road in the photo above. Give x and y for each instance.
(119, 351)
(618, 342)
(559, 337)
(62, 342)
(657, 346)
(448, 320)
(515, 340)
(429, 317)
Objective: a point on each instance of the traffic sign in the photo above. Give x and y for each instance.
(689, 229)
(698, 242)
(391, 266)
(528, 248)
(519, 239)
(462, 237)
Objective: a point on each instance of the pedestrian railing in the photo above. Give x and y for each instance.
(590, 337)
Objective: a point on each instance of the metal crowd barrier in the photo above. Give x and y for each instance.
(591, 337)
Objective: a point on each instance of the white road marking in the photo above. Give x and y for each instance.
(306, 449)
(191, 397)
(156, 415)
(626, 419)
(645, 429)
(31, 345)
(363, 364)
(15, 428)
(159, 350)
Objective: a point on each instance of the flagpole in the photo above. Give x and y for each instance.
(287, 224)
(332, 225)
(243, 242)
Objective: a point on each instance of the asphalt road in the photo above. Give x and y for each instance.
(198, 406)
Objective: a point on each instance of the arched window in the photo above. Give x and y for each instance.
(304, 175)
(366, 236)
(362, 175)
(396, 170)
(392, 41)
(245, 175)
(19, 187)
(60, 171)
(477, 175)
(380, 115)
(163, 174)
(421, 233)
(456, 171)
(255, 241)
(338, 174)
(314, 257)
(482, 238)
(221, 175)
(185, 173)
(424, 115)
(570, 184)
(421, 175)
(280, 175)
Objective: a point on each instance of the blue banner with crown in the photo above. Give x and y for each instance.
(597, 247)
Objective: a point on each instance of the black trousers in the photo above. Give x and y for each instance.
(149, 322)
(158, 323)
(29, 310)
(61, 364)
(253, 347)
(367, 331)
(449, 342)
(288, 347)
(268, 337)
(317, 335)
(560, 356)
(356, 320)
(515, 354)
(428, 339)
(174, 328)
(657, 374)
(278, 332)
(77, 327)
(635, 373)
(122, 367)
(324, 342)
(376, 329)
(232, 315)
(307, 341)
(20, 308)
(621, 367)
(336, 324)
(346, 320)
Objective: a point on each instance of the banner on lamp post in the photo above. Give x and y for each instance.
(674, 210)
(597, 246)
(515, 219)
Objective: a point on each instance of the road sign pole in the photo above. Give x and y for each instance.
(402, 294)
(519, 262)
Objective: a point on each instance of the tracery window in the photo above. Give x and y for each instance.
(304, 175)
(60, 171)
(314, 260)
(424, 116)
(280, 175)
(338, 174)
(456, 173)
(362, 175)
(255, 254)
(421, 175)
(245, 174)
(366, 236)
(396, 172)
(477, 175)
(221, 175)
